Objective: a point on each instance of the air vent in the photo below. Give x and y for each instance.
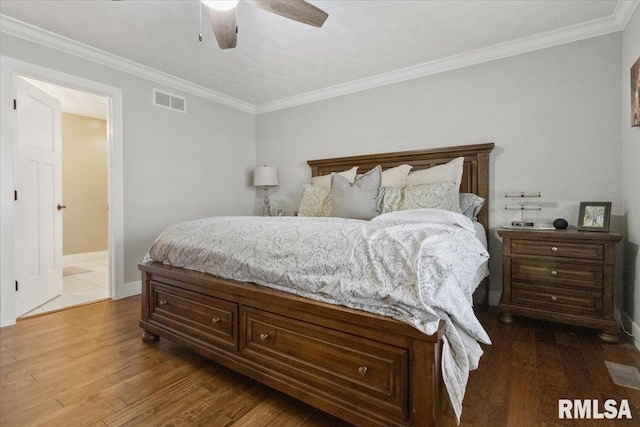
(170, 101)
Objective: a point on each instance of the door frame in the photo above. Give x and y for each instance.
(9, 72)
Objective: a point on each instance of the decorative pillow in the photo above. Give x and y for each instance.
(451, 171)
(470, 204)
(358, 200)
(442, 195)
(325, 180)
(391, 198)
(396, 177)
(315, 201)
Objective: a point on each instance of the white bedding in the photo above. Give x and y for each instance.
(415, 272)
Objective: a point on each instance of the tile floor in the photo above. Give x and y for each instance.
(80, 288)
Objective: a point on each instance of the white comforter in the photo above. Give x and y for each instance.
(414, 272)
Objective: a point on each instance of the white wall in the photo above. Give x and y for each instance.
(631, 177)
(553, 114)
(176, 166)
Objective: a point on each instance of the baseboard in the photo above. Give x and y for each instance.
(88, 256)
(631, 327)
(128, 289)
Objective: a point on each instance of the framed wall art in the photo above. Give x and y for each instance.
(594, 216)
(635, 94)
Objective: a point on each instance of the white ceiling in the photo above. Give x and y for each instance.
(278, 59)
(75, 101)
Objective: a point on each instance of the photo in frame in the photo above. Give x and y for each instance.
(594, 216)
(635, 94)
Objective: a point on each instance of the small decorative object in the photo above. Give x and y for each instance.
(279, 212)
(594, 216)
(265, 177)
(635, 94)
(522, 207)
(560, 224)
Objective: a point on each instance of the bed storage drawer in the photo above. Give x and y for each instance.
(338, 364)
(203, 317)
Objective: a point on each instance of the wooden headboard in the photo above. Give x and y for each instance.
(475, 174)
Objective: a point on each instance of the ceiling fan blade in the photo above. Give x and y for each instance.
(298, 10)
(224, 27)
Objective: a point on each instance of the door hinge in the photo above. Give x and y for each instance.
(15, 104)
(16, 285)
(15, 194)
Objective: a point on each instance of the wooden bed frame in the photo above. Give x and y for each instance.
(364, 368)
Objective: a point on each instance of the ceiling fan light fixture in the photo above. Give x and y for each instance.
(221, 4)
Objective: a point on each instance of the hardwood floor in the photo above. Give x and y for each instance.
(88, 366)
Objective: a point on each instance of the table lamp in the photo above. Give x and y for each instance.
(265, 177)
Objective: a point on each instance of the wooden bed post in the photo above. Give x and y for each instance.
(146, 307)
(425, 387)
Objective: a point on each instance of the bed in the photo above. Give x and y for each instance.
(361, 367)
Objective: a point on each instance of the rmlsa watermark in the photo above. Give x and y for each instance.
(591, 409)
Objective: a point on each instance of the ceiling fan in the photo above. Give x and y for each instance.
(223, 16)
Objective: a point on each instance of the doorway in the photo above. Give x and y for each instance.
(83, 204)
(10, 71)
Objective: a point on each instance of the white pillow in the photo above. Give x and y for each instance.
(441, 195)
(471, 204)
(396, 177)
(428, 215)
(324, 181)
(451, 171)
(392, 199)
(315, 201)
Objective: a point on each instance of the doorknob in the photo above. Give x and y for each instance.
(60, 207)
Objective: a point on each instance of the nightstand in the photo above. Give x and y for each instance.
(560, 275)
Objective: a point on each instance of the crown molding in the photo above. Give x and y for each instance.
(623, 12)
(597, 27)
(41, 36)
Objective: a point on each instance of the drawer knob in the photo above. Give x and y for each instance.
(163, 302)
(554, 273)
(554, 249)
(215, 320)
(362, 370)
(264, 337)
(554, 299)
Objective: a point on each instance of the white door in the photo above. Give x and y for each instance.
(38, 221)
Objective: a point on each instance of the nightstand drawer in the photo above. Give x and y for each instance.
(557, 249)
(557, 299)
(569, 274)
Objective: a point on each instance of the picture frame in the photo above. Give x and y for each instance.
(635, 94)
(594, 216)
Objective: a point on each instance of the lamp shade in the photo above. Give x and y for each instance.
(265, 176)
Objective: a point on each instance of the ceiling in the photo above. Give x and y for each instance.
(75, 101)
(362, 44)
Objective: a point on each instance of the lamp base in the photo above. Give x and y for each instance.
(266, 208)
